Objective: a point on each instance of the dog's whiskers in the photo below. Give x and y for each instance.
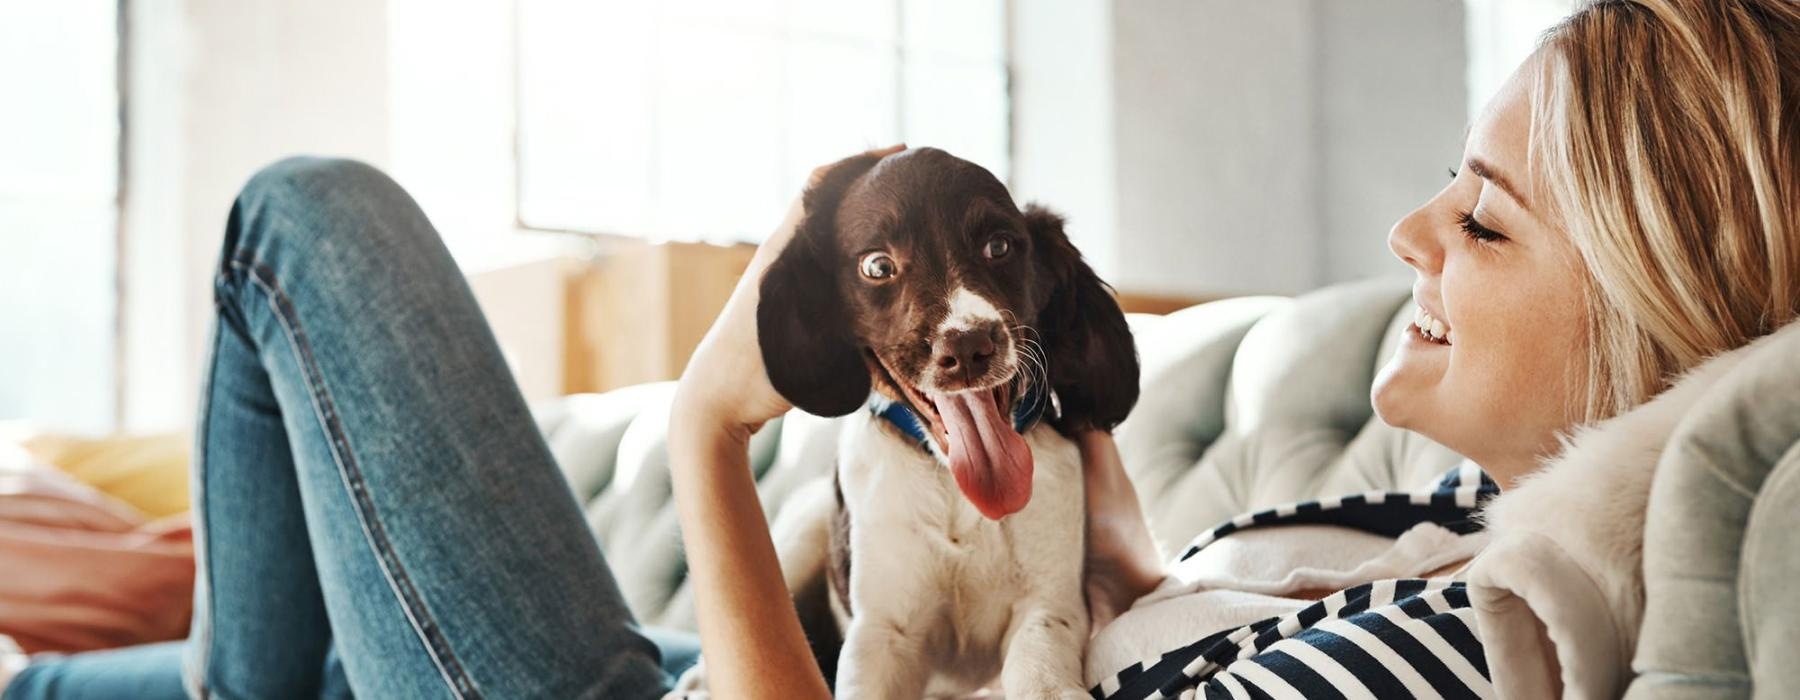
(1031, 353)
(1012, 322)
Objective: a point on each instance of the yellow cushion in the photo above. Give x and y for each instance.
(149, 472)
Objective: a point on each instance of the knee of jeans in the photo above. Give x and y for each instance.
(298, 204)
(317, 180)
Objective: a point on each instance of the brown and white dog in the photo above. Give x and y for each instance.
(915, 278)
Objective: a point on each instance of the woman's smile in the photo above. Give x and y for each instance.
(1429, 328)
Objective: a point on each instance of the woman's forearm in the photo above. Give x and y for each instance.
(1123, 563)
(748, 628)
(749, 631)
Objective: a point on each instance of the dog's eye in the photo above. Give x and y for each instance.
(997, 247)
(879, 266)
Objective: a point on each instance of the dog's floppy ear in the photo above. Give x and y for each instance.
(802, 324)
(1093, 359)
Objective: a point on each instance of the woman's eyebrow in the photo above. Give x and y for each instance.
(1483, 170)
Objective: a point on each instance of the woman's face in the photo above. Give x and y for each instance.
(1495, 379)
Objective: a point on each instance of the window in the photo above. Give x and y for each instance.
(59, 186)
(1502, 34)
(700, 119)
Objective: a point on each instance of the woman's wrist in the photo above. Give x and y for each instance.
(698, 426)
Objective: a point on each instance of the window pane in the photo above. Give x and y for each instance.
(841, 100)
(450, 120)
(967, 29)
(759, 15)
(59, 126)
(717, 119)
(1501, 34)
(961, 107)
(56, 306)
(699, 119)
(58, 177)
(870, 22)
(584, 115)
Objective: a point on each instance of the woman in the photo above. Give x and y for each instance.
(1631, 193)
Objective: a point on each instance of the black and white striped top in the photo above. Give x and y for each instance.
(1385, 639)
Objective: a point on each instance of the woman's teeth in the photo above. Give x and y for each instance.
(1429, 327)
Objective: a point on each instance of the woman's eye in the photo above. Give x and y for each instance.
(1474, 229)
(997, 248)
(879, 266)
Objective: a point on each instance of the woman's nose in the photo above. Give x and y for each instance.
(1413, 241)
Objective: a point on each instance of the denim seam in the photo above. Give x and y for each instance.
(324, 408)
(194, 676)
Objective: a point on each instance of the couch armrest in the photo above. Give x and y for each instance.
(1770, 568)
(1722, 613)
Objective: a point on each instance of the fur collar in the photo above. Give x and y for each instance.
(1590, 501)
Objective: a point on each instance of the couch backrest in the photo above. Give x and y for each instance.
(1253, 402)
(1246, 403)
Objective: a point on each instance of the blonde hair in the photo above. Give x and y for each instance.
(1666, 134)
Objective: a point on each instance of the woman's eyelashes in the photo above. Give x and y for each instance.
(1471, 226)
(1475, 230)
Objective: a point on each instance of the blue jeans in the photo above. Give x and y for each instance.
(377, 513)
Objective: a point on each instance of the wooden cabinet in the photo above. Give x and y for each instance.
(636, 313)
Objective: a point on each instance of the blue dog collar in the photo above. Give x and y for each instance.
(1029, 410)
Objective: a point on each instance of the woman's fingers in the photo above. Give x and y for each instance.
(778, 239)
(725, 380)
(819, 172)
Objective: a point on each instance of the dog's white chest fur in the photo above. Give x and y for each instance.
(942, 598)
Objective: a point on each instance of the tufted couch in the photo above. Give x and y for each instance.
(1252, 402)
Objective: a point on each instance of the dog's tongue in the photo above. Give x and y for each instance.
(990, 461)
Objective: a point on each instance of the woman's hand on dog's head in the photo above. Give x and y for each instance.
(725, 386)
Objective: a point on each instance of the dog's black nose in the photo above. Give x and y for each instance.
(965, 353)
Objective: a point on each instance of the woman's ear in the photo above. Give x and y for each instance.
(802, 323)
(1093, 359)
